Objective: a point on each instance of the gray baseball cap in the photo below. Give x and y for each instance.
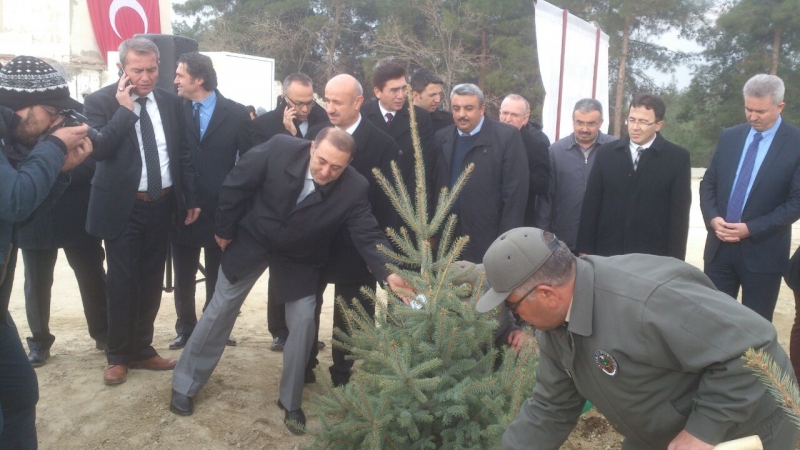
(511, 259)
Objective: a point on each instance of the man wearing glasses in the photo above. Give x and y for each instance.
(571, 160)
(648, 340)
(295, 114)
(639, 191)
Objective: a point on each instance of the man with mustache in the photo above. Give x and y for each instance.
(571, 160)
(494, 198)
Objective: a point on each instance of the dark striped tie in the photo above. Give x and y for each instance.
(151, 160)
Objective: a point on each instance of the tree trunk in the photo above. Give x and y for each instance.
(330, 71)
(776, 49)
(484, 53)
(623, 60)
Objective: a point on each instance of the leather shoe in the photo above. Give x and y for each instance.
(295, 420)
(155, 363)
(115, 374)
(231, 342)
(179, 342)
(310, 378)
(320, 345)
(277, 344)
(38, 358)
(180, 404)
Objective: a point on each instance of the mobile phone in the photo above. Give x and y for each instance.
(282, 104)
(121, 73)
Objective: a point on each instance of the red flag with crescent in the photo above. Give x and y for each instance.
(117, 20)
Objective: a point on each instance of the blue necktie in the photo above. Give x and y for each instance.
(736, 205)
(197, 119)
(151, 159)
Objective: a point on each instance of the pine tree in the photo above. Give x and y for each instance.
(427, 379)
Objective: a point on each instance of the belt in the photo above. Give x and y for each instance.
(145, 197)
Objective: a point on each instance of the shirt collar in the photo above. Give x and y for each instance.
(769, 132)
(208, 102)
(150, 95)
(579, 146)
(384, 111)
(475, 130)
(633, 146)
(352, 128)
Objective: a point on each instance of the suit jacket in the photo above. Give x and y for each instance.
(537, 147)
(119, 161)
(646, 211)
(493, 199)
(400, 131)
(374, 149)
(267, 125)
(257, 209)
(212, 157)
(674, 344)
(772, 206)
(64, 224)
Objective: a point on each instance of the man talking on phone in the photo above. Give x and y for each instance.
(295, 113)
(144, 174)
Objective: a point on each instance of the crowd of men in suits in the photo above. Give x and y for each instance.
(292, 190)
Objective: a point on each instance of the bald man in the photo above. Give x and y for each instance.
(346, 268)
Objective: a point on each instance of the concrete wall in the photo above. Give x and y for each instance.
(60, 30)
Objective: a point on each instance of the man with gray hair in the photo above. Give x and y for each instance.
(647, 339)
(571, 160)
(750, 197)
(494, 198)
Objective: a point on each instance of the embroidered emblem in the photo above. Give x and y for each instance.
(606, 362)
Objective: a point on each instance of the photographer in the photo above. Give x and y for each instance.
(33, 173)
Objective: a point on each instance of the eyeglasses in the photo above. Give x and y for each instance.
(51, 111)
(300, 105)
(581, 124)
(632, 121)
(513, 306)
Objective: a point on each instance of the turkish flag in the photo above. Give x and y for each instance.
(117, 20)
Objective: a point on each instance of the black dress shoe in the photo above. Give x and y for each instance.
(179, 342)
(310, 378)
(320, 345)
(231, 342)
(277, 344)
(180, 404)
(38, 358)
(295, 420)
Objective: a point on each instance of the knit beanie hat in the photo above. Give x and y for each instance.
(27, 81)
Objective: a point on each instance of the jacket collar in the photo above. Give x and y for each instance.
(659, 144)
(582, 299)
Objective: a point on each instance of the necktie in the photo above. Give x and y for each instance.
(736, 205)
(639, 151)
(389, 117)
(151, 160)
(197, 118)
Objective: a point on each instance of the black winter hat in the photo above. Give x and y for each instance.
(27, 81)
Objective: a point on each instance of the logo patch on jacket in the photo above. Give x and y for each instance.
(606, 362)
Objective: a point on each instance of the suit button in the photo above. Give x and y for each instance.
(400, 152)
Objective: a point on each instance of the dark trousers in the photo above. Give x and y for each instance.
(136, 261)
(276, 315)
(794, 337)
(19, 388)
(186, 259)
(728, 273)
(86, 261)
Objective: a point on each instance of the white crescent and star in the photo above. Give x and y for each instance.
(117, 5)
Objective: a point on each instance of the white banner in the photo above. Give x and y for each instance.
(579, 67)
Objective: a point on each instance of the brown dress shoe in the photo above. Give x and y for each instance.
(155, 363)
(115, 374)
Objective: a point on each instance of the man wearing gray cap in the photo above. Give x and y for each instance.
(647, 339)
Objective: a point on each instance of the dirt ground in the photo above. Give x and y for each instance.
(237, 408)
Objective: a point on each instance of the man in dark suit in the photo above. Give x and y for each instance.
(427, 87)
(346, 268)
(281, 207)
(494, 197)
(295, 114)
(516, 111)
(639, 191)
(750, 197)
(63, 226)
(144, 174)
(216, 132)
(389, 112)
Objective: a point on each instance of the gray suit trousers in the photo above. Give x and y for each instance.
(205, 346)
(301, 320)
